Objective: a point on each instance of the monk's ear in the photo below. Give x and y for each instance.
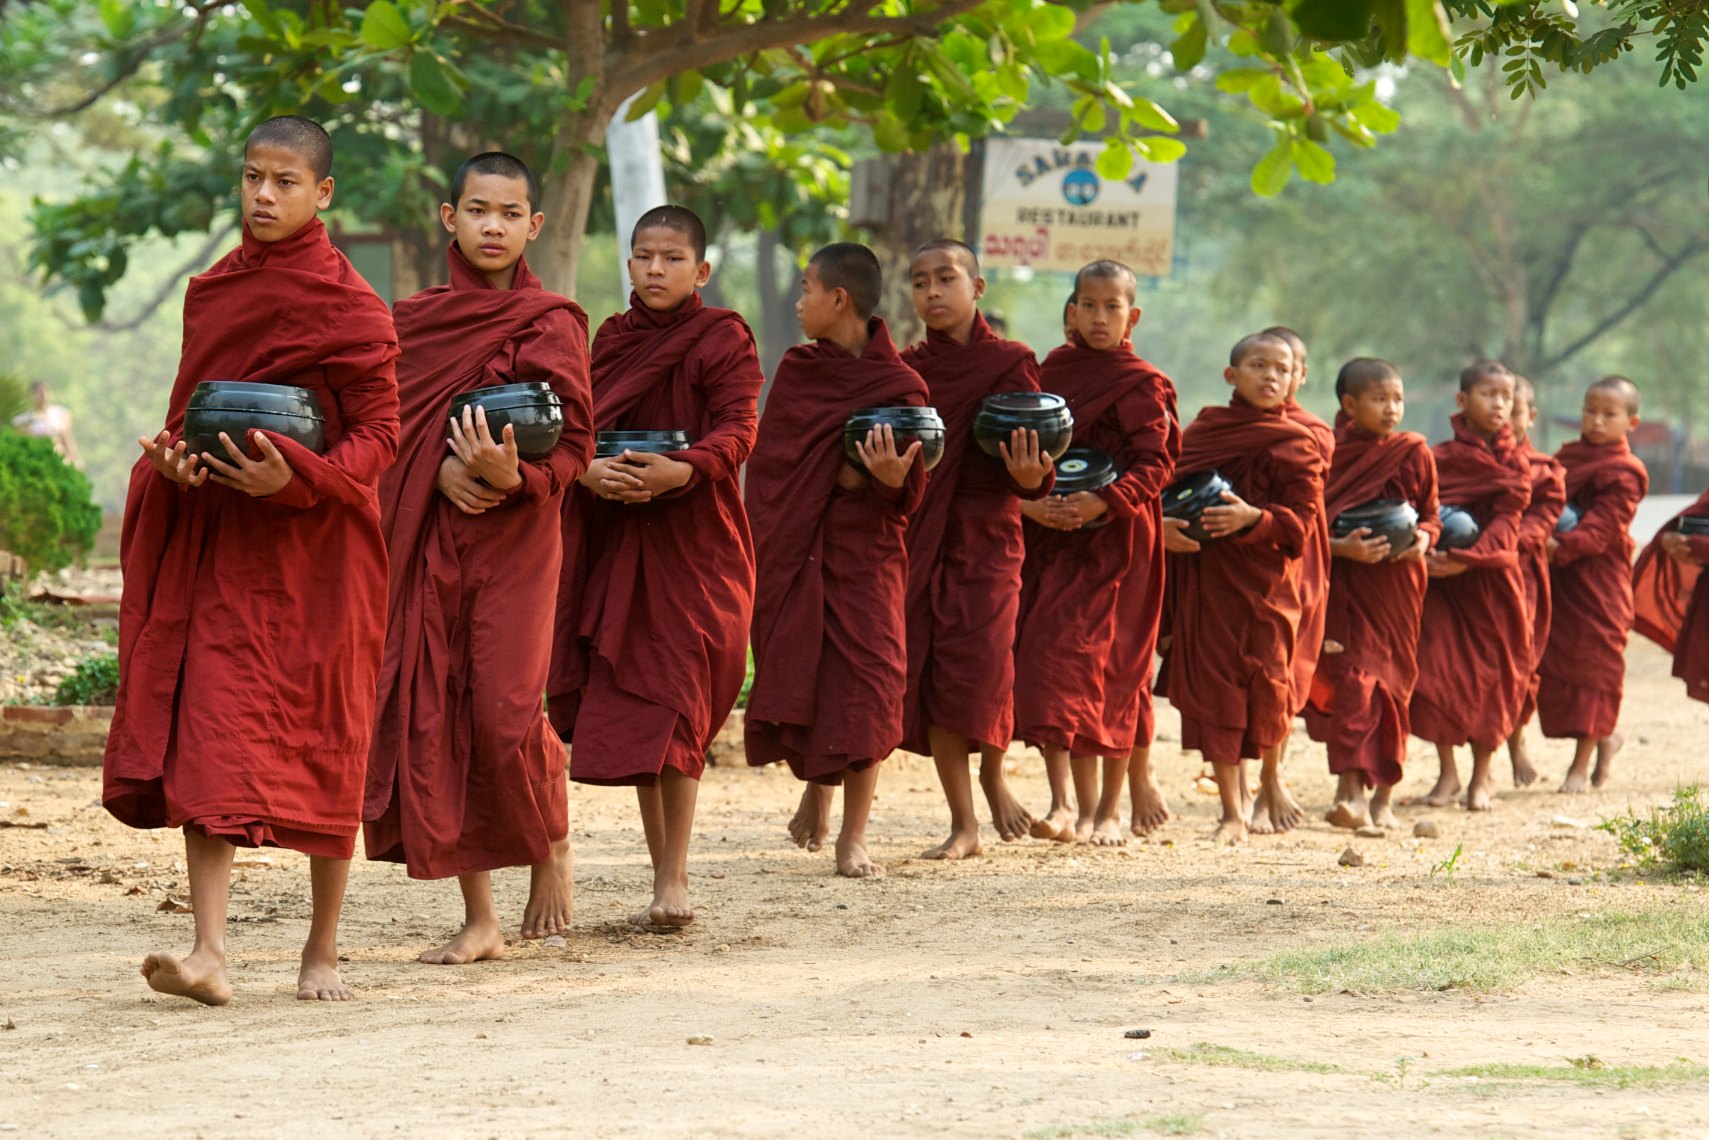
(1133, 317)
(323, 194)
(702, 274)
(978, 288)
(1348, 403)
(448, 212)
(1460, 401)
(1229, 374)
(534, 225)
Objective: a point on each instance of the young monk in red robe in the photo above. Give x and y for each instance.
(1474, 649)
(465, 774)
(1584, 668)
(1671, 598)
(1376, 596)
(1274, 809)
(1233, 607)
(651, 632)
(1091, 598)
(255, 581)
(830, 652)
(1548, 497)
(965, 550)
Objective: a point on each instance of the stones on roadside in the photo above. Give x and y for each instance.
(1351, 858)
(1426, 829)
(700, 1039)
(1137, 1034)
(1371, 832)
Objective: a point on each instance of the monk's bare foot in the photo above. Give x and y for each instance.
(1575, 784)
(959, 845)
(1057, 826)
(1349, 815)
(551, 895)
(1274, 809)
(1150, 809)
(1230, 833)
(670, 907)
(1606, 749)
(319, 981)
(1107, 833)
(1205, 784)
(812, 820)
(1083, 829)
(1011, 820)
(1478, 797)
(476, 942)
(1442, 795)
(1382, 810)
(853, 862)
(199, 977)
(1524, 773)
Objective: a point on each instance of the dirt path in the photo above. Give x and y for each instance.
(982, 999)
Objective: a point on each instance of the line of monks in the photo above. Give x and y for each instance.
(313, 643)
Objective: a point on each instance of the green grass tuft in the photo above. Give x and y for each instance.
(1170, 1124)
(1590, 1072)
(1223, 1057)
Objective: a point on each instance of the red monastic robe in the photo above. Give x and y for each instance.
(251, 629)
(1474, 647)
(1359, 701)
(465, 774)
(830, 652)
(1536, 527)
(1584, 668)
(655, 598)
(1313, 569)
(965, 550)
(1671, 603)
(1233, 609)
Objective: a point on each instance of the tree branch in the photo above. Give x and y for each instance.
(1632, 304)
(169, 288)
(138, 55)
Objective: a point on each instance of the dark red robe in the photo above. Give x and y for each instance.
(1671, 603)
(1474, 647)
(1359, 700)
(965, 550)
(1090, 599)
(655, 598)
(251, 629)
(1536, 527)
(465, 774)
(1233, 609)
(1313, 569)
(1584, 668)
(830, 652)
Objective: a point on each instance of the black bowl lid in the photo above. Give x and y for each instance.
(1024, 403)
(1693, 524)
(1192, 493)
(1084, 469)
(625, 437)
(1378, 512)
(896, 417)
(247, 396)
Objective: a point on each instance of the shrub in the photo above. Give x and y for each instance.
(48, 516)
(1676, 835)
(96, 682)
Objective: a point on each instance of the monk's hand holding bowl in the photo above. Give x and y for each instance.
(1233, 516)
(653, 474)
(1360, 546)
(492, 461)
(1175, 540)
(1085, 506)
(1552, 545)
(1674, 544)
(609, 479)
(1027, 462)
(170, 460)
(1439, 565)
(259, 478)
(883, 462)
(1415, 553)
(850, 478)
(467, 493)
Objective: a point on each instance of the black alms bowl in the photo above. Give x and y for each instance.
(533, 411)
(236, 406)
(1692, 524)
(1459, 528)
(907, 424)
(1085, 469)
(1569, 520)
(1393, 519)
(1188, 496)
(610, 444)
(1043, 412)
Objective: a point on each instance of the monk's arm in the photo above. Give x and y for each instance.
(1498, 543)
(1605, 523)
(905, 499)
(1296, 499)
(730, 376)
(1153, 443)
(1025, 377)
(1422, 478)
(368, 407)
(1548, 500)
(554, 350)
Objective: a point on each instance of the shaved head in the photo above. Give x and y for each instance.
(678, 220)
(1620, 387)
(959, 250)
(1479, 371)
(499, 163)
(298, 135)
(1361, 372)
(1250, 343)
(1107, 270)
(853, 268)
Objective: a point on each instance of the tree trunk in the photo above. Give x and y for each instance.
(567, 195)
(778, 328)
(925, 196)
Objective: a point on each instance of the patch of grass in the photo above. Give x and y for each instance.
(1480, 960)
(1223, 1057)
(1675, 836)
(1175, 1124)
(1171, 1124)
(1590, 1072)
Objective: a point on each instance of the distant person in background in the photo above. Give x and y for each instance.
(48, 420)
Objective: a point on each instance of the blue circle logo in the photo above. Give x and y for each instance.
(1080, 187)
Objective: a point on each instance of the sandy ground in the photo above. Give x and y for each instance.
(982, 999)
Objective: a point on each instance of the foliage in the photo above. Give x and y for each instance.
(1449, 865)
(14, 397)
(95, 682)
(1675, 835)
(47, 515)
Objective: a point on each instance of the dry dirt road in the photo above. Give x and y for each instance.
(988, 998)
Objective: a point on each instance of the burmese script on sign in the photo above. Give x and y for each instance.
(1047, 207)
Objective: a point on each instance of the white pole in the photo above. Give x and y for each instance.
(637, 176)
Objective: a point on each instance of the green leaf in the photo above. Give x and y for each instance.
(1160, 149)
(1238, 79)
(1427, 31)
(1271, 174)
(1314, 163)
(119, 17)
(1188, 50)
(431, 84)
(1115, 160)
(384, 28)
(1333, 20)
(1152, 117)
(262, 14)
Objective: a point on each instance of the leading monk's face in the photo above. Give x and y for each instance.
(1105, 313)
(946, 294)
(1606, 417)
(819, 307)
(664, 268)
(280, 193)
(493, 221)
(1377, 408)
(1263, 375)
(1489, 405)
